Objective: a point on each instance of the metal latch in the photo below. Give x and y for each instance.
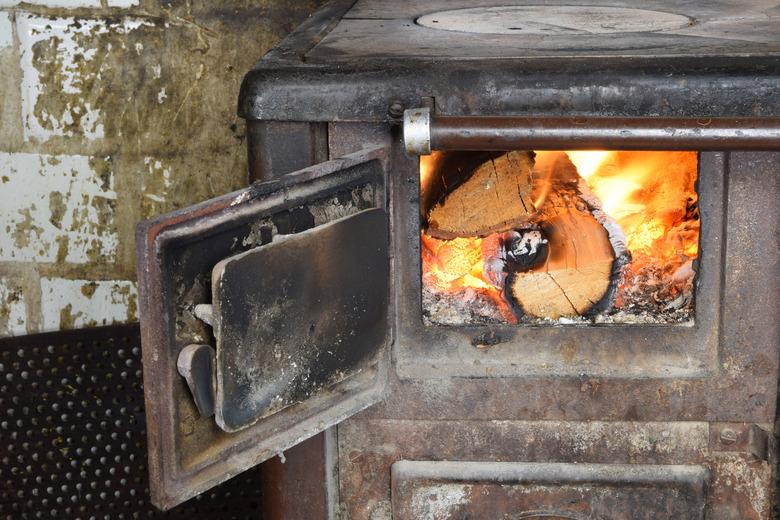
(196, 365)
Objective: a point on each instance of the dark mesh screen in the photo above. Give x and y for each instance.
(73, 436)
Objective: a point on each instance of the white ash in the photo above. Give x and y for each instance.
(523, 247)
(663, 291)
(467, 306)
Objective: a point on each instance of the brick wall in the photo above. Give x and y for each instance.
(113, 111)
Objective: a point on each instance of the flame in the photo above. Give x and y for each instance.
(427, 167)
(652, 197)
(448, 265)
(457, 265)
(648, 194)
(454, 263)
(587, 161)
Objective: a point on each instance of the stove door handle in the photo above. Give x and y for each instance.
(425, 132)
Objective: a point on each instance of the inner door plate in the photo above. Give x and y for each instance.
(299, 315)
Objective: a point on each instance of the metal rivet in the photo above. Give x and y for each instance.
(728, 436)
(396, 110)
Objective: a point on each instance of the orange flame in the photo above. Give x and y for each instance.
(650, 194)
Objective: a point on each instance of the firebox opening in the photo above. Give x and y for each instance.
(552, 237)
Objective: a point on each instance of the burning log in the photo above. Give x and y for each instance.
(480, 194)
(567, 256)
(586, 249)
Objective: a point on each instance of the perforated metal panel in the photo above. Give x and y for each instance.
(73, 433)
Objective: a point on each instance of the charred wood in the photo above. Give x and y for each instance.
(586, 249)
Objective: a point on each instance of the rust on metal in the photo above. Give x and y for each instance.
(523, 490)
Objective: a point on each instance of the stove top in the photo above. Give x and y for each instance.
(528, 29)
(352, 60)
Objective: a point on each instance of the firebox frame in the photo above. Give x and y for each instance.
(581, 350)
(720, 390)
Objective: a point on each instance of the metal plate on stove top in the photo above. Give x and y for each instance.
(528, 29)
(521, 20)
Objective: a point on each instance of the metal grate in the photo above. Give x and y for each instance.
(73, 433)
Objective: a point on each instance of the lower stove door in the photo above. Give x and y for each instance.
(549, 491)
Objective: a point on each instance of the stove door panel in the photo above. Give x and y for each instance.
(264, 318)
(514, 491)
(298, 315)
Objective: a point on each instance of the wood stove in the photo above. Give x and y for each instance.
(516, 361)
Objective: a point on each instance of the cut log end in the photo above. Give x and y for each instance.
(561, 259)
(493, 198)
(563, 292)
(578, 272)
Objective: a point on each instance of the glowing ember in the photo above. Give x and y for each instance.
(651, 196)
(454, 263)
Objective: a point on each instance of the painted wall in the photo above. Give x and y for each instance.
(113, 111)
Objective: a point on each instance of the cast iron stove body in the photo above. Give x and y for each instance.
(294, 305)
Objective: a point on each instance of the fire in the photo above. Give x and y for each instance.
(427, 167)
(648, 193)
(457, 265)
(651, 195)
(588, 161)
(453, 264)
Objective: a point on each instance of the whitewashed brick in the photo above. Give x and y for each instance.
(156, 183)
(56, 208)
(53, 3)
(67, 304)
(13, 308)
(6, 31)
(123, 3)
(78, 67)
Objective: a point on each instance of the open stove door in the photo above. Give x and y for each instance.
(264, 319)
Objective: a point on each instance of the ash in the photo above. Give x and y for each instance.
(467, 306)
(655, 293)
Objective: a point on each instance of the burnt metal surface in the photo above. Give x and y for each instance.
(304, 484)
(278, 147)
(73, 433)
(176, 253)
(531, 29)
(724, 368)
(522, 490)
(289, 85)
(675, 87)
(575, 412)
(619, 394)
(739, 485)
(618, 133)
(196, 365)
(298, 315)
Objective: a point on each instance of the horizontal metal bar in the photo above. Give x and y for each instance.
(607, 133)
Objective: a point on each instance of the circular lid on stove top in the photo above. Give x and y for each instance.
(554, 20)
